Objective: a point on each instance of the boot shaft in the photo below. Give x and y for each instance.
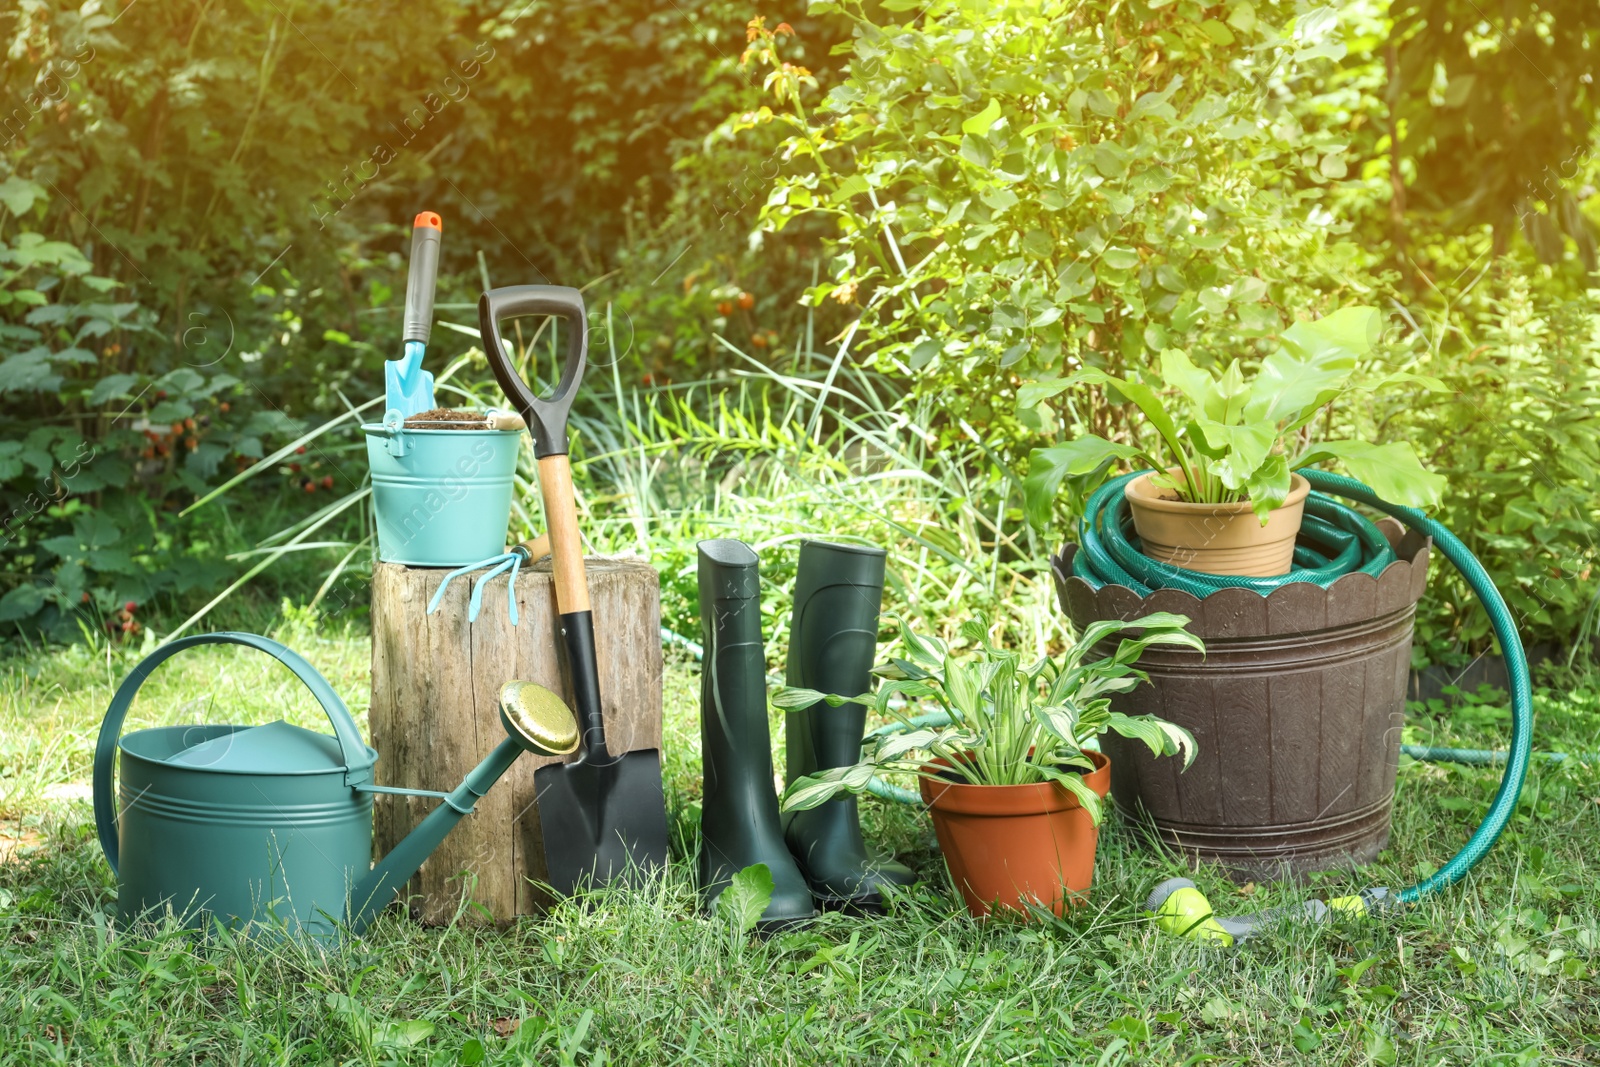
(833, 640)
(733, 680)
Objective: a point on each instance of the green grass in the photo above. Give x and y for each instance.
(1501, 970)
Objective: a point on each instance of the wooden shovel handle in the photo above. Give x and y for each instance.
(561, 521)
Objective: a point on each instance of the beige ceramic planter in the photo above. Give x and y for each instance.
(1217, 538)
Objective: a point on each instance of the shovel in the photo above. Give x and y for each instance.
(603, 815)
(407, 388)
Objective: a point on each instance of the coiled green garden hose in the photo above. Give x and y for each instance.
(1334, 541)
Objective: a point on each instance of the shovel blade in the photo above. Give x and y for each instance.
(602, 823)
(407, 388)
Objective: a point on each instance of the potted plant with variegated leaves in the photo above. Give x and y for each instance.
(1223, 496)
(1003, 752)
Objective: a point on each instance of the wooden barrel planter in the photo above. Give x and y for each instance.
(1296, 706)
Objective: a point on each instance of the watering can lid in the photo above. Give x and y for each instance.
(276, 748)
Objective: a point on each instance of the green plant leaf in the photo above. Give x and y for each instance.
(794, 697)
(897, 745)
(1131, 1029)
(977, 151)
(1131, 648)
(112, 385)
(746, 897)
(402, 1033)
(1197, 385)
(1239, 450)
(1352, 330)
(1391, 470)
(1163, 738)
(1314, 363)
(1032, 393)
(1157, 628)
(1400, 377)
(1157, 620)
(21, 602)
(1074, 784)
(806, 793)
(1268, 485)
(984, 120)
(1235, 392)
(18, 194)
(926, 650)
(963, 688)
(1049, 467)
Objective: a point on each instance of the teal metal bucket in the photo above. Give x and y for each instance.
(442, 497)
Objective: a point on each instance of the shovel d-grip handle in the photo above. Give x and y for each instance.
(546, 416)
(357, 760)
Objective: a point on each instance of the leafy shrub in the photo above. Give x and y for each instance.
(1019, 192)
(186, 296)
(1517, 437)
(1460, 83)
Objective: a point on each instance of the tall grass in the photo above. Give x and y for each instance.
(772, 452)
(778, 454)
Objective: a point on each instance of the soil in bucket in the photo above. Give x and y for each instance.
(446, 419)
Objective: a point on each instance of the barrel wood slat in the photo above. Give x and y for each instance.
(435, 712)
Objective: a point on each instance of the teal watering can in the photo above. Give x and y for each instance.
(271, 826)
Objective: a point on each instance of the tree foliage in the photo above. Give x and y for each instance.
(1021, 190)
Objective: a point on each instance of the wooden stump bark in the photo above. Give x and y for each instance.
(435, 687)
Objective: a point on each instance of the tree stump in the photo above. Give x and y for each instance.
(435, 713)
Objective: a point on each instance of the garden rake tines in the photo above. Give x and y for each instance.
(511, 560)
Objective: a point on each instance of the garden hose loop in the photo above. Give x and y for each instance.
(1505, 800)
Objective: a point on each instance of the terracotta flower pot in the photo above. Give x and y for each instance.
(1216, 538)
(1010, 844)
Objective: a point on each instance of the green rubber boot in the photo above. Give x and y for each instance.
(833, 638)
(739, 809)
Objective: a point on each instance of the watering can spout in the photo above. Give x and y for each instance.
(374, 892)
(537, 721)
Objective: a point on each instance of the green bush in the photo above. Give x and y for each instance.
(1017, 193)
(183, 296)
(1517, 437)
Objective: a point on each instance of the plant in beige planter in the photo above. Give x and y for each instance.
(1000, 751)
(1222, 495)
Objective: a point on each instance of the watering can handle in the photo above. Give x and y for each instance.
(546, 416)
(357, 760)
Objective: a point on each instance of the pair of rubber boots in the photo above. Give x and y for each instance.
(817, 857)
